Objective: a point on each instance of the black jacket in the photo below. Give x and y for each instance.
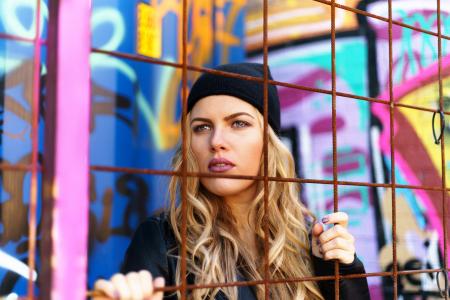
(153, 238)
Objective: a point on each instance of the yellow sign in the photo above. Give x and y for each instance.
(149, 31)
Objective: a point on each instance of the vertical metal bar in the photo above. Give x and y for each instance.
(184, 153)
(333, 118)
(214, 34)
(66, 157)
(34, 152)
(393, 181)
(441, 107)
(266, 154)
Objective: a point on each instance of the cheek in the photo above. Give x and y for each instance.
(250, 155)
(199, 151)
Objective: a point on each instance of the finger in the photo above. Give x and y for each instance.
(339, 217)
(334, 232)
(134, 285)
(338, 243)
(121, 286)
(146, 283)
(341, 255)
(106, 287)
(159, 282)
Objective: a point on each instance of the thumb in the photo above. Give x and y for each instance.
(317, 229)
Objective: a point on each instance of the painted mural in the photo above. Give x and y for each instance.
(290, 20)
(363, 145)
(137, 108)
(136, 111)
(310, 114)
(417, 157)
(17, 18)
(136, 116)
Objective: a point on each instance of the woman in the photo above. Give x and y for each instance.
(225, 227)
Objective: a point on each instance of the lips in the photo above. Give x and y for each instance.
(220, 165)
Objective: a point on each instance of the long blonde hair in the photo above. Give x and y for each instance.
(215, 253)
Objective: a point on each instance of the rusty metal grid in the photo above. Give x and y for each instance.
(267, 281)
(392, 142)
(184, 287)
(32, 226)
(34, 168)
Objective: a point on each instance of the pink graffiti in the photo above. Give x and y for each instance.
(353, 196)
(324, 125)
(347, 161)
(290, 96)
(428, 75)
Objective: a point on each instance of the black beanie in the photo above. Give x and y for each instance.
(249, 91)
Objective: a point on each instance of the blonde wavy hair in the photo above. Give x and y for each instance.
(216, 254)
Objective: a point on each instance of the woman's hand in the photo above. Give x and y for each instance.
(134, 285)
(335, 242)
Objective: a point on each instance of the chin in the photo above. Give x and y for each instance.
(224, 187)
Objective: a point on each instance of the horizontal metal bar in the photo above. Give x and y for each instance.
(6, 36)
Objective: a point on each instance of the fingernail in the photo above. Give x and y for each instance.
(325, 220)
(159, 282)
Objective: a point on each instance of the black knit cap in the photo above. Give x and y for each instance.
(249, 91)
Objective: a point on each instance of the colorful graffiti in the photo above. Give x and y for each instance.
(412, 50)
(289, 21)
(310, 113)
(144, 113)
(415, 140)
(16, 84)
(363, 144)
(415, 82)
(136, 117)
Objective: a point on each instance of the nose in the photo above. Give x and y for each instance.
(218, 140)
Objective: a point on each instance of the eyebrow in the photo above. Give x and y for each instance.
(232, 116)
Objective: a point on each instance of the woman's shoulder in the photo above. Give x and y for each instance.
(149, 244)
(155, 229)
(157, 220)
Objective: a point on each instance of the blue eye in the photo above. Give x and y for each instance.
(240, 124)
(201, 128)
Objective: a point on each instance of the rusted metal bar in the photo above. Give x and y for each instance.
(266, 152)
(288, 280)
(381, 18)
(443, 164)
(260, 178)
(391, 135)
(183, 267)
(32, 225)
(334, 133)
(6, 36)
(342, 95)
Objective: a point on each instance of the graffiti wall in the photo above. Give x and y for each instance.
(17, 18)
(310, 114)
(137, 107)
(363, 132)
(136, 110)
(417, 157)
(136, 117)
(292, 20)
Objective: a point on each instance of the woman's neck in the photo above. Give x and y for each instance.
(240, 206)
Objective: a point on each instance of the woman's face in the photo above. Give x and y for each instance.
(226, 138)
